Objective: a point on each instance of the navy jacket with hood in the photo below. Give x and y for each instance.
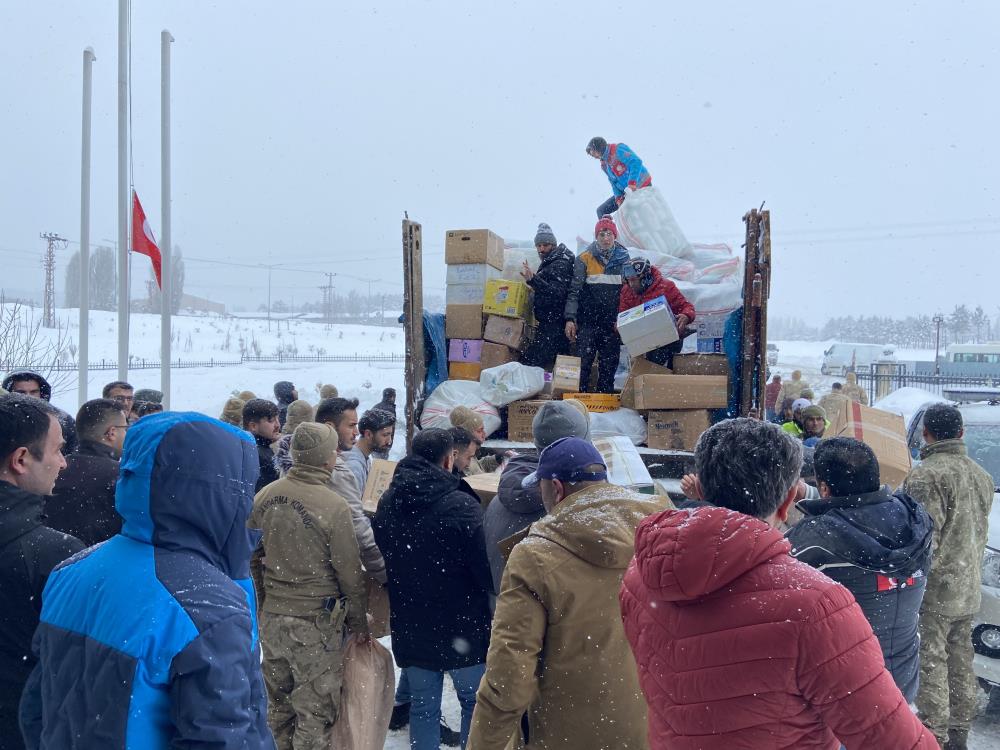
(878, 546)
(149, 640)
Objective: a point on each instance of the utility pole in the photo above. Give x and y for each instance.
(937, 320)
(166, 252)
(49, 264)
(124, 210)
(83, 358)
(327, 290)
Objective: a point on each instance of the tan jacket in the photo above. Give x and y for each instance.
(790, 389)
(957, 493)
(558, 648)
(854, 391)
(309, 555)
(832, 403)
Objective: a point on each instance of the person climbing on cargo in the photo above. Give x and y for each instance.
(592, 305)
(644, 283)
(624, 169)
(551, 284)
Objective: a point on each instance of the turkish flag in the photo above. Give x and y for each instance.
(142, 237)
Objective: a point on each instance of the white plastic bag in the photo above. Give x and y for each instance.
(645, 221)
(511, 382)
(514, 256)
(452, 393)
(623, 421)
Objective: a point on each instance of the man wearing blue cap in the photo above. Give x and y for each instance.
(558, 649)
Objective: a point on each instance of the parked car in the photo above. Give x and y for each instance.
(982, 438)
(772, 354)
(841, 359)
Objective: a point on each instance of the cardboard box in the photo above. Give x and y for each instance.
(464, 321)
(465, 350)
(647, 326)
(711, 325)
(701, 364)
(463, 246)
(485, 485)
(520, 415)
(625, 466)
(676, 430)
(884, 433)
(472, 273)
(464, 371)
(494, 355)
(597, 403)
(566, 375)
(464, 294)
(710, 346)
(379, 477)
(511, 332)
(639, 366)
(506, 297)
(681, 392)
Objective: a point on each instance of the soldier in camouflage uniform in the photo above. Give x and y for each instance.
(854, 391)
(957, 493)
(310, 584)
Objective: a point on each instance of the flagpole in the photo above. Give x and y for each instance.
(166, 252)
(123, 196)
(83, 361)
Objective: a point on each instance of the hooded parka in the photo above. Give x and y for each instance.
(878, 545)
(557, 649)
(740, 646)
(429, 526)
(149, 640)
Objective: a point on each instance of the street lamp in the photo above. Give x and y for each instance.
(937, 320)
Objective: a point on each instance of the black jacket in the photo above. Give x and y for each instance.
(514, 509)
(83, 501)
(283, 394)
(265, 457)
(429, 527)
(66, 422)
(551, 283)
(877, 545)
(28, 552)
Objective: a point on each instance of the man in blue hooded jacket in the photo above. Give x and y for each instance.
(624, 170)
(149, 640)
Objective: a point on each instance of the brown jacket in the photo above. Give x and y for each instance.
(558, 648)
(309, 554)
(854, 391)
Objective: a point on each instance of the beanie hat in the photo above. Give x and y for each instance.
(151, 395)
(313, 444)
(246, 395)
(328, 391)
(298, 412)
(463, 416)
(545, 235)
(232, 412)
(813, 410)
(559, 419)
(606, 222)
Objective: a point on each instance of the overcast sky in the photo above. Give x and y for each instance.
(303, 130)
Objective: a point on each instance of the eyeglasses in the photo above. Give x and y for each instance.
(119, 427)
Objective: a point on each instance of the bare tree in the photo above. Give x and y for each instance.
(24, 344)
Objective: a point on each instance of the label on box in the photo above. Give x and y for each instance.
(471, 273)
(520, 416)
(710, 346)
(711, 326)
(566, 374)
(597, 403)
(676, 430)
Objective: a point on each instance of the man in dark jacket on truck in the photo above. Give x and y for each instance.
(592, 306)
(30, 438)
(878, 545)
(551, 283)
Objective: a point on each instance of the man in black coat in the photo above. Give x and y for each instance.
(30, 460)
(874, 543)
(284, 393)
(83, 501)
(30, 383)
(429, 527)
(551, 283)
(260, 419)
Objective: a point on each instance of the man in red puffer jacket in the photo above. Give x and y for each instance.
(643, 283)
(737, 644)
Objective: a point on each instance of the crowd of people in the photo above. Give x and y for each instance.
(157, 598)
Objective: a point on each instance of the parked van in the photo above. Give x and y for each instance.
(983, 354)
(840, 359)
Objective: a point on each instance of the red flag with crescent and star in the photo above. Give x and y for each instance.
(143, 241)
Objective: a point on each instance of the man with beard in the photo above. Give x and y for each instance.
(551, 284)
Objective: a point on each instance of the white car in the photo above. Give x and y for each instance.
(982, 438)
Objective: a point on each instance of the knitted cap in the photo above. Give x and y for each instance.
(232, 412)
(313, 444)
(463, 416)
(328, 391)
(545, 235)
(815, 410)
(606, 222)
(559, 419)
(246, 396)
(298, 412)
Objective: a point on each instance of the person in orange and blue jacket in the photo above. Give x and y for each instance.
(624, 169)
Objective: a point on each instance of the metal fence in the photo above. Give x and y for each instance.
(882, 379)
(154, 364)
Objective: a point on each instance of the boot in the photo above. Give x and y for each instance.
(958, 739)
